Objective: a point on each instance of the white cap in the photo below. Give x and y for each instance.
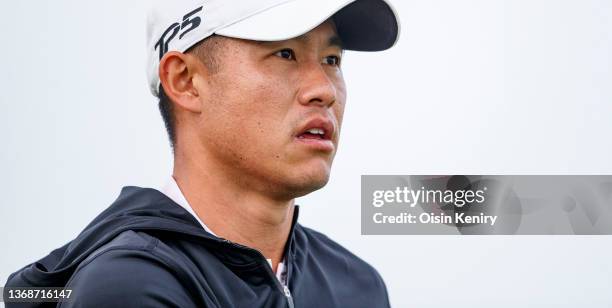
(363, 25)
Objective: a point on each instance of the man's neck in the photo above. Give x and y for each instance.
(234, 213)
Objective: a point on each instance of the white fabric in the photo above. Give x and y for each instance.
(178, 25)
(284, 21)
(172, 191)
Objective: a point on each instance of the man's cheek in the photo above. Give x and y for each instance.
(257, 133)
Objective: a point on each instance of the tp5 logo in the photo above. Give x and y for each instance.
(190, 22)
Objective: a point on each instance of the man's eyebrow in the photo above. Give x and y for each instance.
(334, 40)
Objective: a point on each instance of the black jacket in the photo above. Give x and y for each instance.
(146, 251)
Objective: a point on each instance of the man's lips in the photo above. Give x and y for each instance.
(317, 128)
(317, 133)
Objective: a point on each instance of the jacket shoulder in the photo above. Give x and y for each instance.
(128, 271)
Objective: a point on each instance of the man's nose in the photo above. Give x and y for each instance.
(316, 87)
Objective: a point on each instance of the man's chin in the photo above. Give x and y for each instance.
(306, 183)
(310, 188)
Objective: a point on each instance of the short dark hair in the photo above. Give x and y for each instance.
(205, 50)
(165, 108)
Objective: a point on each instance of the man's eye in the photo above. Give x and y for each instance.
(286, 53)
(332, 60)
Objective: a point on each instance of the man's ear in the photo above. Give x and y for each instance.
(176, 74)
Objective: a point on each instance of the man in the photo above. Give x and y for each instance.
(252, 95)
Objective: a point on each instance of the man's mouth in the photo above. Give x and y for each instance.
(317, 134)
(313, 133)
(317, 128)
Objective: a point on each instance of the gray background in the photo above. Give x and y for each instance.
(473, 87)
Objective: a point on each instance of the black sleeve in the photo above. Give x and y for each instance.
(126, 278)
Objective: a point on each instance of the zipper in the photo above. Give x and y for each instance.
(288, 296)
(283, 289)
(286, 287)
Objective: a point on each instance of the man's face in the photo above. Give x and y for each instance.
(266, 107)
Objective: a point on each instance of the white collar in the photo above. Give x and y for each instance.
(173, 192)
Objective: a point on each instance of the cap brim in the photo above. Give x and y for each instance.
(363, 25)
